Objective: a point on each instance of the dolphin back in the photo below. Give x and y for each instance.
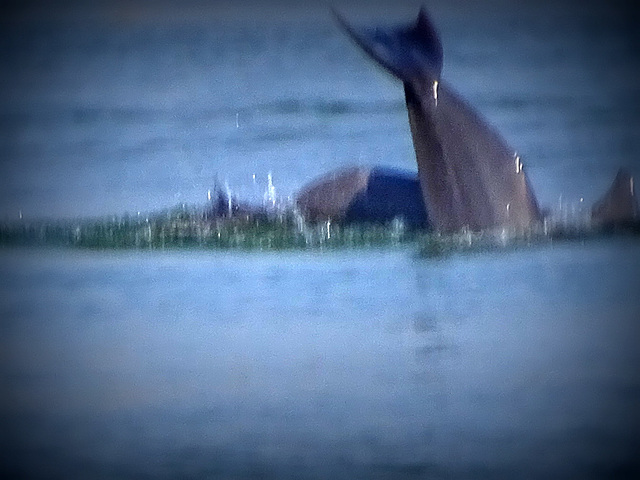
(619, 205)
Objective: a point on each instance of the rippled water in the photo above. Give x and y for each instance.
(328, 365)
(365, 363)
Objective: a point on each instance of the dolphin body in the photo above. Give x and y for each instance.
(349, 195)
(619, 205)
(469, 177)
(365, 195)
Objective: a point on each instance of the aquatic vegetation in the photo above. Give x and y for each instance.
(187, 227)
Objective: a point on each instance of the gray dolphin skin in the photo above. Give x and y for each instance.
(619, 205)
(470, 178)
(365, 195)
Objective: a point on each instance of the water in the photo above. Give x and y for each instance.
(368, 363)
(342, 365)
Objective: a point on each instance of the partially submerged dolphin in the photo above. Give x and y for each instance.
(619, 205)
(361, 194)
(349, 195)
(469, 177)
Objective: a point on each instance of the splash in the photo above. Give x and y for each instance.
(270, 193)
(224, 224)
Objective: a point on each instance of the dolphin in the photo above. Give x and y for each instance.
(619, 205)
(365, 195)
(469, 176)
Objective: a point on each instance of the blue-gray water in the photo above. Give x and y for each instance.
(354, 364)
(322, 365)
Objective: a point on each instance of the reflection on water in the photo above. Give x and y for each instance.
(346, 365)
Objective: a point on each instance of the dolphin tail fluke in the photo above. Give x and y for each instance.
(619, 205)
(408, 52)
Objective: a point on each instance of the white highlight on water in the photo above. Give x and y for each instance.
(229, 202)
(270, 194)
(518, 162)
(570, 214)
(435, 91)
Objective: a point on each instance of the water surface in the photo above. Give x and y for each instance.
(342, 365)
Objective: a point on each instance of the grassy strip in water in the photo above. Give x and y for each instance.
(433, 245)
(189, 228)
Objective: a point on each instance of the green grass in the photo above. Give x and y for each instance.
(188, 228)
